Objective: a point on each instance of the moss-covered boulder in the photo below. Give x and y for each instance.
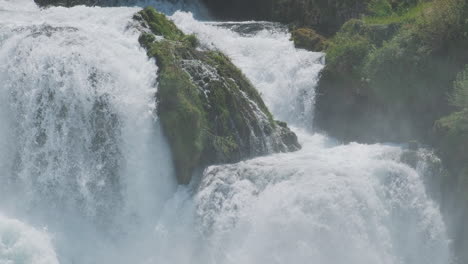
(307, 38)
(209, 111)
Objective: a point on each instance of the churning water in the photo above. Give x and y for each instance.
(86, 176)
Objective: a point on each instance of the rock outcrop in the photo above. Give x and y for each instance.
(209, 111)
(307, 38)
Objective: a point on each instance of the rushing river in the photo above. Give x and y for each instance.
(86, 175)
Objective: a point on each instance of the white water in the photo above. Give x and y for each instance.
(20, 243)
(82, 159)
(81, 150)
(285, 76)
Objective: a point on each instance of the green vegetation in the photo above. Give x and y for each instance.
(459, 97)
(400, 68)
(207, 107)
(453, 129)
(347, 53)
(452, 146)
(381, 12)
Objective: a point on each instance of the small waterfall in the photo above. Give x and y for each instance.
(284, 76)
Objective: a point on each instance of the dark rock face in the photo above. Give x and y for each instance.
(326, 16)
(209, 111)
(69, 3)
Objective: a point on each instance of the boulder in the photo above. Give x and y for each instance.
(209, 111)
(307, 38)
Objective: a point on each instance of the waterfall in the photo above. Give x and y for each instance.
(327, 203)
(82, 151)
(86, 175)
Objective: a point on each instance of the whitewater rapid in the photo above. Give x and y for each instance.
(86, 175)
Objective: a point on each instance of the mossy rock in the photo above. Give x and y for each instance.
(209, 110)
(307, 38)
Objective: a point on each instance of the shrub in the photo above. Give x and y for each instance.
(459, 97)
(347, 53)
(380, 8)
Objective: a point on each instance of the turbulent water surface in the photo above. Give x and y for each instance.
(86, 175)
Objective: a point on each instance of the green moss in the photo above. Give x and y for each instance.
(227, 145)
(179, 109)
(146, 39)
(159, 24)
(192, 40)
(227, 69)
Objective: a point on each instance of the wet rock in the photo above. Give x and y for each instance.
(210, 112)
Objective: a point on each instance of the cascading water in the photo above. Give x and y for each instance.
(84, 164)
(285, 76)
(328, 203)
(81, 152)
